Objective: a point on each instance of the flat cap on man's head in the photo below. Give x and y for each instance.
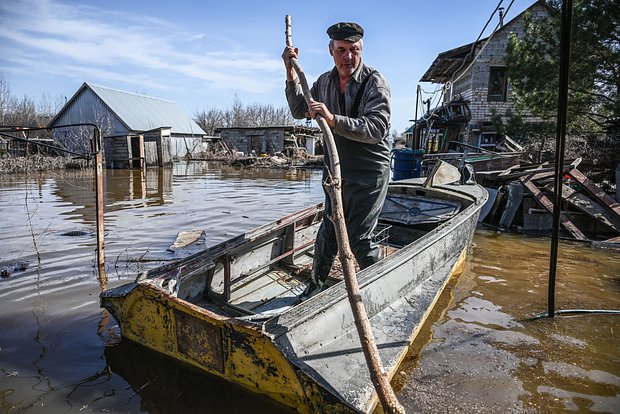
(351, 32)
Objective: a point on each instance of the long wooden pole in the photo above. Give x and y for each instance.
(333, 186)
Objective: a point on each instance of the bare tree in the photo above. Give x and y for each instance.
(23, 112)
(48, 107)
(237, 113)
(240, 115)
(209, 120)
(5, 100)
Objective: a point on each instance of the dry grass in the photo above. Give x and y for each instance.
(38, 163)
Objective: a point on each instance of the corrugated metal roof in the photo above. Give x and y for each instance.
(143, 113)
(447, 63)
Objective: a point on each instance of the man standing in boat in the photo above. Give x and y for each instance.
(354, 99)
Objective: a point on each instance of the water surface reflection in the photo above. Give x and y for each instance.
(486, 356)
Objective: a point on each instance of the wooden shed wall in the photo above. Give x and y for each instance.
(86, 108)
(117, 152)
(158, 147)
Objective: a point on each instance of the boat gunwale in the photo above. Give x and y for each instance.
(463, 223)
(365, 277)
(247, 237)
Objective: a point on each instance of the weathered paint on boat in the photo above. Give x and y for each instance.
(306, 355)
(232, 349)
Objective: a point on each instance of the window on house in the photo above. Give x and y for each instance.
(487, 140)
(497, 84)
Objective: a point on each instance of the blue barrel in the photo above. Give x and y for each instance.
(406, 163)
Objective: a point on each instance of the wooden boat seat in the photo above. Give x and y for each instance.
(280, 287)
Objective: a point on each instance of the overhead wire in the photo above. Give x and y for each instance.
(431, 93)
(448, 84)
(473, 45)
(484, 45)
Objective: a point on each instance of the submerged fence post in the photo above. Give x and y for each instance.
(99, 196)
(565, 38)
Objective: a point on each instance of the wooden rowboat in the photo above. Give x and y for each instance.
(232, 310)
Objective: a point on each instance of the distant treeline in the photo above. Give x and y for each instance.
(240, 115)
(25, 111)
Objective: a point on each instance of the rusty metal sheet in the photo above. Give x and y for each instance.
(199, 340)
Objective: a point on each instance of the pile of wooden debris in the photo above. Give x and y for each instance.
(520, 199)
(277, 160)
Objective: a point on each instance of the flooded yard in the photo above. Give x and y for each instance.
(486, 355)
(61, 353)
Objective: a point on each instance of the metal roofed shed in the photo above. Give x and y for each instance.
(121, 115)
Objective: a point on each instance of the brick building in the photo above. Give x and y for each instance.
(475, 85)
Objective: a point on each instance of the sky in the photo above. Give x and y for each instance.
(204, 54)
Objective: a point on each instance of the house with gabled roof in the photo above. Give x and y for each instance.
(475, 87)
(137, 130)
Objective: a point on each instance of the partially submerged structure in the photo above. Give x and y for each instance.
(520, 199)
(137, 130)
(270, 139)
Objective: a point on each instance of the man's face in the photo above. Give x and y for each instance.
(347, 56)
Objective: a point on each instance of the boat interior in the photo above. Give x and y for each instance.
(261, 273)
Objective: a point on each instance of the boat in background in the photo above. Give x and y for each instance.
(232, 310)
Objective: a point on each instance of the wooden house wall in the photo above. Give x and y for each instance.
(161, 153)
(166, 151)
(117, 152)
(155, 150)
(151, 153)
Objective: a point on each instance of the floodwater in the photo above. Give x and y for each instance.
(487, 355)
(60, 353)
